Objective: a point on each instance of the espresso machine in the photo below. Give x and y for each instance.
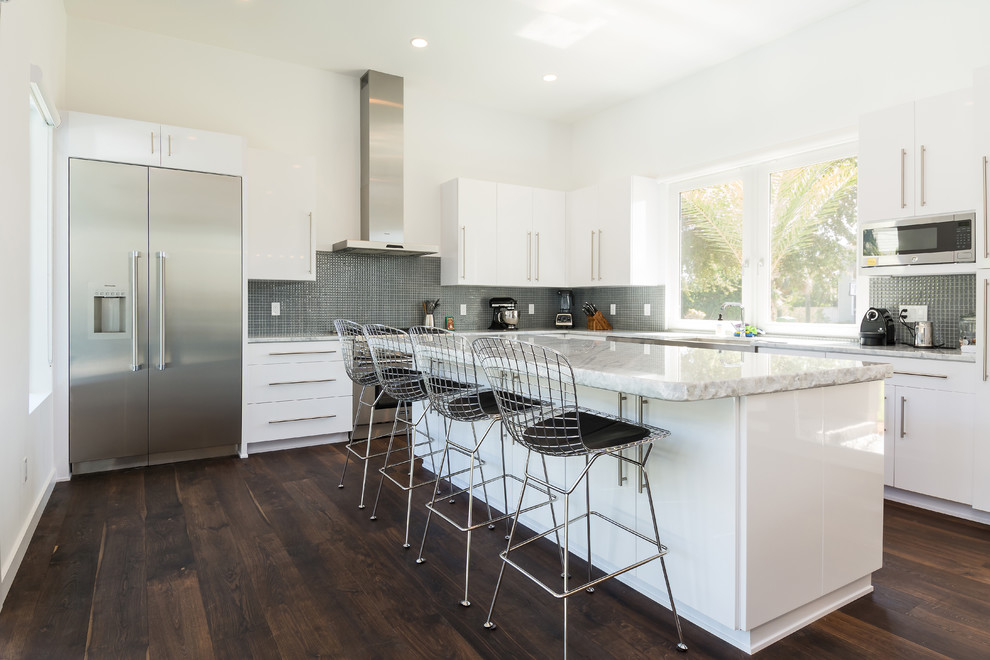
(505, 316)
(565, 319)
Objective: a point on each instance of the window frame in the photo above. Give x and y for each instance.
(755, 176)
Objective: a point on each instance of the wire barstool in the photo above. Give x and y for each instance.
(361, 370)
(450, 374)
(557, 426)
(392, 353)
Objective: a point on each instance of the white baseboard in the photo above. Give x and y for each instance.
(935, 504)
(9, 570)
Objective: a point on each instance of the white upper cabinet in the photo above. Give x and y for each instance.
(530, 236)
(514, 247)
(613, 234)
(982, 108)
(916, 159)
(281, 201)
(191, 149)
(468, 233)
(145, 143)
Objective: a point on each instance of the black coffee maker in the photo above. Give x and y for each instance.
(877, 328)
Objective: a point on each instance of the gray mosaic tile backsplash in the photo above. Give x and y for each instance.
(948, 297)
(390, 290)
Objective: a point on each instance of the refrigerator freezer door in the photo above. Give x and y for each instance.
(108, 292)
(195, 275)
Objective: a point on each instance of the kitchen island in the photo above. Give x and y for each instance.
(768, 491)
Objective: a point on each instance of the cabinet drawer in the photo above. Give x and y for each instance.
(927, 374)
(287, 352)
(297, 419)
(288, 382)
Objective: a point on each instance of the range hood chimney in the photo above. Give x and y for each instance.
(381, 171)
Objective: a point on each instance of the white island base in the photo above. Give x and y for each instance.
(771, 505)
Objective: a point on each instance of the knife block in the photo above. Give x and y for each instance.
(598, 322)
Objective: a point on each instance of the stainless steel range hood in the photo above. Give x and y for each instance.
(381, 171)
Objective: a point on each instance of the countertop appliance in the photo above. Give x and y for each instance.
(877, 328)
(923, 334)
(943, 239)
(505, 316)
(565, 317)
(154, 315)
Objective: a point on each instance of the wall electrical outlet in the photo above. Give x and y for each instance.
(646, 309)
(463, 309)
(611, 309)
(25, 469)
(914, 313)
(276, 309)
(532, 308)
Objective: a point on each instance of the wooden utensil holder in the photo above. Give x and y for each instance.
(598, 322)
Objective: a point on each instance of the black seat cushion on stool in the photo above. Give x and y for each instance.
(598, 433)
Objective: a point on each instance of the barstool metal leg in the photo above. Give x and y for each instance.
(388, 453)
(587, 507)
(470, 523)
(567, 526)
(429, 511)
(353, 434)
(489, 624)
(681, 646)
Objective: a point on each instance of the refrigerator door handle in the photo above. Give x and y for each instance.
(135, 363)
(161, 309)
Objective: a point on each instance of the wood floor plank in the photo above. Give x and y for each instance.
(118, 618)
(177, 625)
(267, 558)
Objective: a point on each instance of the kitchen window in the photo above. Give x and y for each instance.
(776, 237)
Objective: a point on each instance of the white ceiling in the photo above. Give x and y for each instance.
(490, 52)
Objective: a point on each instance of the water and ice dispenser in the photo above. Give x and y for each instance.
(109, 309)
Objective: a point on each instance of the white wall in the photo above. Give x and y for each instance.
(816, 82)
(31, 32)
(302, 110)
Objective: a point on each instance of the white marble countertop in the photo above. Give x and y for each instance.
(679, 373)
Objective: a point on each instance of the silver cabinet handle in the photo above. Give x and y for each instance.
(918, 373)
(599, 254)
(529, 250)
(312, 243)
(903, 402)
(161, 310)
(592, 260)
(303, 353)
(537, 256)
(621, 463)
(169, 145)
(922, 175)
(152, 143)
(640, 481)
(300, 419)
(903, 157)
(304, 382)
(463, 252)
(986, 225)
(135, 364)
(986, 289)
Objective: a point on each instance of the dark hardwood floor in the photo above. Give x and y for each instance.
(267, 558)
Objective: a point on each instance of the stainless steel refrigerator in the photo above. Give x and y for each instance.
(155, 315)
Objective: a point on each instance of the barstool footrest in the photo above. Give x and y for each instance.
(404, 464)
(661, 552)
(444, 502)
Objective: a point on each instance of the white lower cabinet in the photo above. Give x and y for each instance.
(930, 413)
(295, 390)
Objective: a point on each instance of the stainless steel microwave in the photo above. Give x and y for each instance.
(943, 239)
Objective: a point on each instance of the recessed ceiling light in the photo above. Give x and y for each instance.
(419, 42)
(550, 77)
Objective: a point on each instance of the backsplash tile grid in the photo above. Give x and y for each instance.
(948, 298)
(390, 290)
